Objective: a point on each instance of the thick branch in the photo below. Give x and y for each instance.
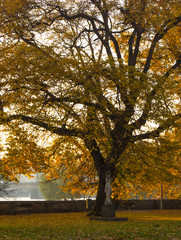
(104, 103)
(105, 14)
(176, 65)
(104, 42)
(156, 133)
(99, 160)
(130, 43)
(62, 131)
(142, 120)
(136, 50)
(63, 13)
(159, 35)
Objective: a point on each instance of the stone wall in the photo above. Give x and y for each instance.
(9, 207)
(147, 204)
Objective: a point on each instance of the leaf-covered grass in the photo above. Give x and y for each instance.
(146, 225)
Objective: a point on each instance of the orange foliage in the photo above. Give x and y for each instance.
(95, 75)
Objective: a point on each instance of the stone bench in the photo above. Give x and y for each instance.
(127, 205)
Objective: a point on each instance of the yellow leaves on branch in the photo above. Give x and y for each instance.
(22, 156)
(39, 82)
(148, 166)
(72, 162)
(14, 6)
(173, 43)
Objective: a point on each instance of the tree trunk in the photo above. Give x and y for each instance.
(101, 195)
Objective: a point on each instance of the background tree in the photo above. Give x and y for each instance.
(104, 73)
(3, 184)
(3, 187)
(54, 190)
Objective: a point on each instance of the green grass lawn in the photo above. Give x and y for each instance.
(148, 225)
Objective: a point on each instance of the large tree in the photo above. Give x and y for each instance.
(99, 73)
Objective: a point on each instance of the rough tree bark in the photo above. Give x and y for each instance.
(101, 195)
